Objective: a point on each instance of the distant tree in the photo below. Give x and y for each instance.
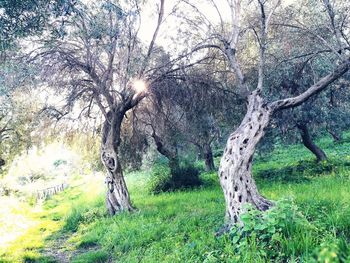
(327, 113)
(163, 120)
(19, 19)
(209, 107)
(17, 109)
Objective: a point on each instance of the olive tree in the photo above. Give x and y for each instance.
(249, 42)
(101, 61)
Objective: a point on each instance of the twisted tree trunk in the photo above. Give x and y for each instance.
(235, 170)
(208, 158)
(117, 198)
(308, 142)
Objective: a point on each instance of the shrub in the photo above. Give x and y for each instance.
(278, 234)
(164, 180)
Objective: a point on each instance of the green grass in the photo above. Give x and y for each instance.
(181, 226)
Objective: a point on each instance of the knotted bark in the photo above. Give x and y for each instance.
(235, 170)
(117, 197)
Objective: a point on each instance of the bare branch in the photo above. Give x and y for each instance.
(155, 34)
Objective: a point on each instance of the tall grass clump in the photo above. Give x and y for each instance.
(84, 212)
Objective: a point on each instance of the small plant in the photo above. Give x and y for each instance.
(268, 235)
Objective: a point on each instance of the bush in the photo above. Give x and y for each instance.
(164, 180)
(278, 234)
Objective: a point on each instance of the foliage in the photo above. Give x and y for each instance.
(28, 17)
(88, 147)
(218, 152)
(271, 235)
(162, 179)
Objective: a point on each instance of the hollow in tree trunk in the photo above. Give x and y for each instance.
(208, 158)
(235, 170)
(308, 142)
(117, 197)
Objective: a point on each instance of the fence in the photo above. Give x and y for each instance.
(50, 191)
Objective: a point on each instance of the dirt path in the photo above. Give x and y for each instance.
(57, 250)
(60, 251)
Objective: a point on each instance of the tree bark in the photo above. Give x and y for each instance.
(235, 170)
(117, 197)
(308, 142)
(208, 158)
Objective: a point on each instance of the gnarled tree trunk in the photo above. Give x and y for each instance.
(235, 170)
(208, 158)
(117, 198)
(308, 142)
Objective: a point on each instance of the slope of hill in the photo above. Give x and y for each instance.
(180, 227)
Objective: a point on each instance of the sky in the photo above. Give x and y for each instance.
(170, 26)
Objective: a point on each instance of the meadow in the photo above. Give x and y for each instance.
(310, 222)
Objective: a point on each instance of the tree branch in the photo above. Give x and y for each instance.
(155, 34)
(314, 89)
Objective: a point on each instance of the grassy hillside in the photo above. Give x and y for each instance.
(181, 226)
